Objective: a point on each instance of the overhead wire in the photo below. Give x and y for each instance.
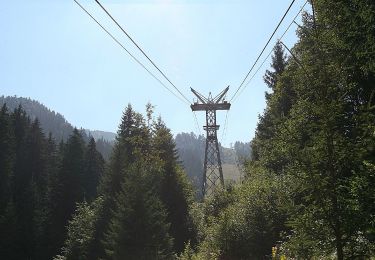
(225, 127)
(269, 54)
(141, 50)
(197, 123)
(269, 40)
(127, 51)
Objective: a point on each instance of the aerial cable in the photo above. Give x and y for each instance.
(298, 62)
(269, 54)
(252, 67)
(197, 123)
(131, 55)
(225, 127)
(294, 20)
(140, 49)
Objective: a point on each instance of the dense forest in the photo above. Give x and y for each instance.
(308, 190)
(190, 147)
(62, 201)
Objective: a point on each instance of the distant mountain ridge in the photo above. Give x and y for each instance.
(97, 134)
(55, 123)
(50, 121)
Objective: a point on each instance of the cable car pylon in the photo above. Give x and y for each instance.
(212, 172)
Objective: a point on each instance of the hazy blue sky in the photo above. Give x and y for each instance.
(53, 52)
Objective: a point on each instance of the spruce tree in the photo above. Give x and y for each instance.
(22, 185)
(8, 221)
(93, 170)
(68, 188)
(176, 193)
(279, 62)
(48, 245)
(138, 229)
(132, 142)
(71, 174)
(6, 158)
(278, 105)
(36, 146)
(81, 231)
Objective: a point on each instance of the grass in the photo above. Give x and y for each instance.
(231, 173)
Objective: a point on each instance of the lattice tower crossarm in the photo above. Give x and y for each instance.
(213, 172)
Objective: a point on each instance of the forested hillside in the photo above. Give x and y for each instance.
(310, 184)
(190, 147)
(50, 121)
(60, 200)
(55, 123)
(41, 182)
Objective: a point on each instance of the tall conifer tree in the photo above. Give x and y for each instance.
(93, 170)
(176, 193)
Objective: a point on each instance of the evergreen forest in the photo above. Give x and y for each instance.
(308, 190)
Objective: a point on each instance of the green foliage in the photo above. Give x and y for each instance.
(322, 138)
(70, 178)
(34, 202)
(176, 193)
(278, 65)
(54, 123)
(146, 197)
(81, 230)
(93, 170)
(138, 229)
(131, 143)
(309, 189)
(245, 222)
(6, 157)
(51, 122)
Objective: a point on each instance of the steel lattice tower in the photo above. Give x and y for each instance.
(213, 172)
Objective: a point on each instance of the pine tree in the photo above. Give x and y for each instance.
(138, 229)
(278, 106)
(36, 146)
(68, 187)
(23, 188)
(132, 142)
(93, 170)
(279, 63)
(71, 173)
(176, 194)
(81, 231)
(132, 139)
(6, 158)
(48, 244)
(8, 222)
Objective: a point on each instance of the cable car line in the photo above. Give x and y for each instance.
(269, 54)
(140, 49)
(269, 40)
(182, 97)
(126, 50)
